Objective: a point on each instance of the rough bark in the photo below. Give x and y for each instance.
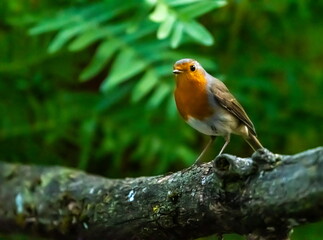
(261, 197)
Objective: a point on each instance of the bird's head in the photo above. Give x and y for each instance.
(188, 68)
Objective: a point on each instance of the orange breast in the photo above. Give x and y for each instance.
(192, 99)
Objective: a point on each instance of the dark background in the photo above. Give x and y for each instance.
(88, 84)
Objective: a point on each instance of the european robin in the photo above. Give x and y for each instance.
(206, 104)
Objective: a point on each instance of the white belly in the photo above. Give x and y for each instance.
(215, 125)
(200, 126)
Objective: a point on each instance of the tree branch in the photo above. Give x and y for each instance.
(261, 197)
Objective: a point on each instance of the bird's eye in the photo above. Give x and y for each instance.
(192, 67)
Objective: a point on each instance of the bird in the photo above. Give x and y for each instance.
(207, 105)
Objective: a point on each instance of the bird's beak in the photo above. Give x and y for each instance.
(176, 71)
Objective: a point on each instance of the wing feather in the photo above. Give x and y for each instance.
(228, 101)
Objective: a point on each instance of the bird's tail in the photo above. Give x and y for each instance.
(253, 141)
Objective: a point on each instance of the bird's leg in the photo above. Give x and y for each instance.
(198, 161)
(227, 140)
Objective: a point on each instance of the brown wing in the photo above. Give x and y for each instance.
(228, 101)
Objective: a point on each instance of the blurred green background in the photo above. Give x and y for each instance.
(88, 84)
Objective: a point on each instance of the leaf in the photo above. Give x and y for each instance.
(146, 29)
(177, 35)
(166, 27)
(93, 15)
(126, 65)
(93, 35)
(198, 32)
(158, 96)
(52, 24)
(144, 85)
(103, 53)
(64, 36)
(200, 8)
(160, 13)
(86, 39)
(181, 2)
(68, 17)
(109, 12)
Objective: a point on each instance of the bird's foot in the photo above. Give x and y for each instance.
(265, 158)
(196, 164)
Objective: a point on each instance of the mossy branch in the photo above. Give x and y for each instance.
(262, 197)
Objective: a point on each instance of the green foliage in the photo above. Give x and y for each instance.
(133, 71)
(128, 43)
(88, 84)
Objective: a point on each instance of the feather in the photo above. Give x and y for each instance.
(228, 101)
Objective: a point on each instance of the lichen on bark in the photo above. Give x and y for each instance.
(261, 197)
